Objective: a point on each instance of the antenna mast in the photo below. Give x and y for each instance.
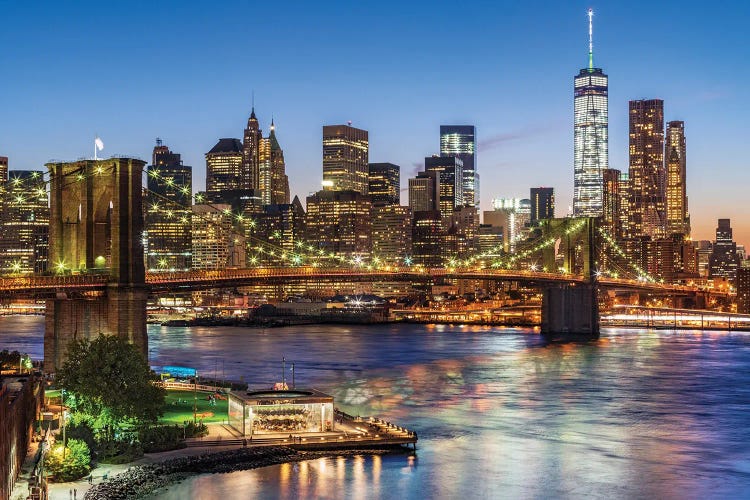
(591, 39)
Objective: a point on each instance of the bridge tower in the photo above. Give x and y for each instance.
(572, 309)
(96, 226)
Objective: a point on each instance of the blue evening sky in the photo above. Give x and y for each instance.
(184, 71)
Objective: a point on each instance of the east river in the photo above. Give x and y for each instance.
(499, 413)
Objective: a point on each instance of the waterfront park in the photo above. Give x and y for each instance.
(117, 416)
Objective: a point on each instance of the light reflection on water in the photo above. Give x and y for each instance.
(499, 413)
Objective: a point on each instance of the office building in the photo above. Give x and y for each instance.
(250, 170)
(340, 223)
(282, 227)
(462, 234)
(678, 220)
(168, 216)
(611, 202)
(513, 215)
(724, 261)
(224, 168)
(490, 239)
(424, 192)
(345, 158)
(428, 238)
(460, 141)
(384, 183)
(590, 136)
(391, 233)
(542, 204)
(24, 241)
(215, 242)
(743, 290)
(451, 188)
(647, 170)
(273, 183)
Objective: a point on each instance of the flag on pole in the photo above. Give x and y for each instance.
(99, 143)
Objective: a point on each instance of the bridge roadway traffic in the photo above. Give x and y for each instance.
(92, 284)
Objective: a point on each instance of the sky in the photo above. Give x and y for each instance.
(186, 72)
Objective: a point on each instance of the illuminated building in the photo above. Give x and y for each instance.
(490, 239)
(624, 204)
(424, 192)
(678, 220)
(224, 170)
(542, 204)
(513, 215)
(339, 223)
(463, 232)
(273, 183)
(743, 290)
(25, 223)
(724, 260)
(3, 183)
(451, 186)
(345, 158)
(590, 136)
(660, 259)
(216, 244)
(704, 249)
(250, 167)
(384, 183)
(282, 226)
(647, 171)
(460, 141)
(391, 233)
(3, 169)
(611, 202)
(428, 238)
(168, 215)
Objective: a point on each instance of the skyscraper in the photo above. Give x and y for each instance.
(424, 192)
(340, 222)
(224, 167)
(460, 141)
(724, 261)
(25, 224)
(385, 183)
(391, 232)
(678, 220)
(451, 189)
(273, 183)
(542, 203)
(345, 158)
(250, 178)
(611, 202)
(647, 170)
(590, 135)
(216, 245)
(168, 211)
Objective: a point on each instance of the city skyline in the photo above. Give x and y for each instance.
(517, 147)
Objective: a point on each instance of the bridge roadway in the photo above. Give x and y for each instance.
(95, 284)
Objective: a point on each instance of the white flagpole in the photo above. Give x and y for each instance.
(95, 136)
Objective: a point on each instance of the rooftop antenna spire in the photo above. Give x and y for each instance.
(591, 39)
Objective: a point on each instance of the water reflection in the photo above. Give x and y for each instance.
(499, 412)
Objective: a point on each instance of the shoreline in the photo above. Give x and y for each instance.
(145, 480)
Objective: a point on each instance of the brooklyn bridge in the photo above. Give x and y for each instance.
(98, 282)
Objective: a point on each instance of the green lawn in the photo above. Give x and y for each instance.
(179, 407)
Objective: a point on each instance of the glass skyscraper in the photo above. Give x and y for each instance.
(460, 141)
(591, 143)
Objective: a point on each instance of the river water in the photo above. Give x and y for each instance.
(499, 413)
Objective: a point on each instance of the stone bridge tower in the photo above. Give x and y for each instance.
(96, 226)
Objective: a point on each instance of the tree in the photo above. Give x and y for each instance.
(69, 463)
(111, 380)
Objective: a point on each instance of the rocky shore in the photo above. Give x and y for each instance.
(142, 480)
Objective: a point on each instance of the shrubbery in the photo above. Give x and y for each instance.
(169, 437)
(75, 464)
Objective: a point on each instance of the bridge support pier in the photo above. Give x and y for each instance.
(570, 311)
(121, 311)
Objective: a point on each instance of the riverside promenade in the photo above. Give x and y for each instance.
(224, 451)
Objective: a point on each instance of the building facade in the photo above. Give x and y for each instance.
(391, 233)
(428, 238)
(542, 204)
(340, 223)
(216, 244)
(250, 170)
(451, 187)
(224, 168)
(611, 202)
(168, 210)
(25, 224)
(424, 192)
(678, 220)
(647, 170)
(345, 158)
(460, 141)
(384, 183)
(724, 261)
(281, 227)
